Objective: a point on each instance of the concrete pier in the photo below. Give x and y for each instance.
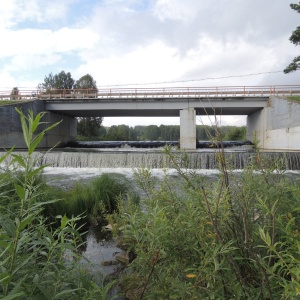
(188, 129)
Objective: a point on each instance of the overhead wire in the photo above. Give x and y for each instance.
(192, 80)
(182, 81)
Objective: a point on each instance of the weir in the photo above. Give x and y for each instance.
(158, 160)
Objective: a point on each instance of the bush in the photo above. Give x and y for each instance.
(235, 238)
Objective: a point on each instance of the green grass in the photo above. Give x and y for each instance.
(6, 102)
(92, 200)
(294, 98)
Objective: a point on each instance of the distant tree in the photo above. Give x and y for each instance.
(102, 132)
(152, 132)
(132, 134)
(295, 39)
(60, 81)
(89, 127)
(169, 132)
(86, 82)
(14, 95)
(118, 133)
(139, 131)
(235, 133)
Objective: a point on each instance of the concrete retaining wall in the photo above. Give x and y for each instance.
(277, 127)
(11, 130)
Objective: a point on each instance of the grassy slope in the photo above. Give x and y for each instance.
(295, 98)
(6, 102)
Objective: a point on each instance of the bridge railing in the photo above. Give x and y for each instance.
(143, 93)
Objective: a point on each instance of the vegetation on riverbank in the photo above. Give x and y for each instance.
(92, 201)
(294, 98)
(236, 237)
(38, 260)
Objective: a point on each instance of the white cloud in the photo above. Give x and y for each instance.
(13, 12)
(147, 41)
(35, 41)
(184, 11)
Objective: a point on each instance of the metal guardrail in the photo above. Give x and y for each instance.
(142, 93)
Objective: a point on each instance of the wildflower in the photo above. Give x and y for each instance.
(190, 275)
(258, 158)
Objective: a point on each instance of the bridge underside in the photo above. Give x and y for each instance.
(156, 107)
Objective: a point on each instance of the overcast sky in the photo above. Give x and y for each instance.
(133, 42)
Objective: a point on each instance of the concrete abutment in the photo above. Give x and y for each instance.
(277, 126)
(11, 134)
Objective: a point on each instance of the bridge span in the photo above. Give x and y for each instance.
(262, 105)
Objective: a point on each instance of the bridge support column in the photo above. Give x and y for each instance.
(188, 129)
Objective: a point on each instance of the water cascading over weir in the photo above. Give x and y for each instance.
(159, 160)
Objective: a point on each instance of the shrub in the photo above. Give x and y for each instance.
(235, 238)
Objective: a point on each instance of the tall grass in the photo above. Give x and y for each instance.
(37, 262)
(92, 200)
(234, 238)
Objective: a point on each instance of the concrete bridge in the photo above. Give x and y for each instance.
(274, 120)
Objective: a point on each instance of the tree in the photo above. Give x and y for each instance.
(86, 82)
(60, 81)
(295, 39)
(152, 132)
(14, 95)
(89, 127)
(118, 133)
(235, 133)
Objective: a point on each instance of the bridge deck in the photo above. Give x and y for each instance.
(168, 92)
(230, 100)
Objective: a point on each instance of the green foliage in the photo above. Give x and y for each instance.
(89, 127)
(151, 133)
(60, 81)
(236, 237)
(295, 39)
(118, 133)
(86, 82)
(92, 200)
(294, 98)
(37, 262)
(170, 133)
(235, 133)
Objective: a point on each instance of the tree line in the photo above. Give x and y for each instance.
(162, 133)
